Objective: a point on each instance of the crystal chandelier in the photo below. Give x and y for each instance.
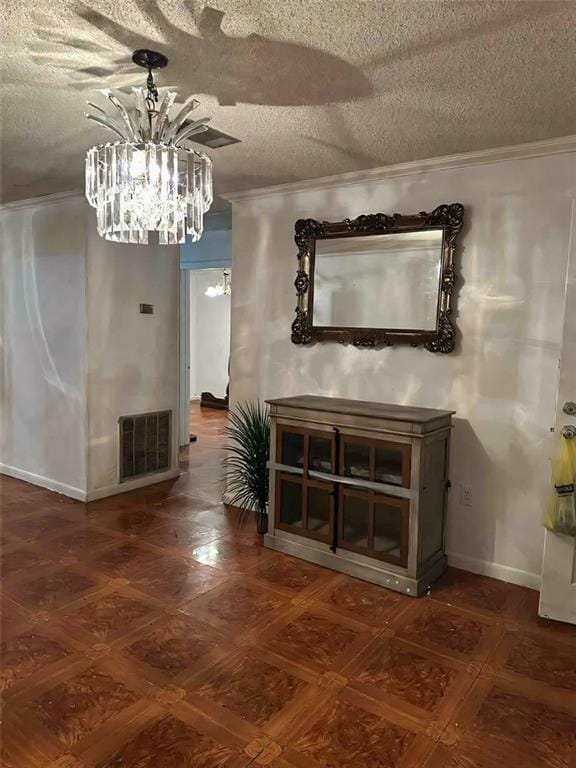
(148, 181)
(222, 288)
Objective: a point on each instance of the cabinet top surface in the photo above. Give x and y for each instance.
(362, 408)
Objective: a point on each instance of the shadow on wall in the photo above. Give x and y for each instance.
(252, 69)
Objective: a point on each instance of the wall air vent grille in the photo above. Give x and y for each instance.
(145, 441)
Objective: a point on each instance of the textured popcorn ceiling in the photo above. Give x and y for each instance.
(311, 87)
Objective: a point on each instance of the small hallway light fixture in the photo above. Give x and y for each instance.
(149, 181)
(222, 288)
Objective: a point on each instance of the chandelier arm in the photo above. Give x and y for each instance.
(200, 129)
(142, 112)
(189, 106)
(162, 116)
(106, 122)
(189, 130)
(132, 128)
(96, 107)
(111, 120)
(182, 144)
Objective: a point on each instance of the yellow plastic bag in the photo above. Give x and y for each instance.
(560, 514)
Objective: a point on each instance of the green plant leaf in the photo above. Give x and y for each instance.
(248, 453)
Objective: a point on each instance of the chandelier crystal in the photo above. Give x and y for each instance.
(149, 181)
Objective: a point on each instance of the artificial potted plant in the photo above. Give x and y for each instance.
(247, 461)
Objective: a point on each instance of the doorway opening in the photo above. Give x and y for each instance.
(205, 294)
(209, 341)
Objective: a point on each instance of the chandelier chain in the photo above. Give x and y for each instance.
(152, 95)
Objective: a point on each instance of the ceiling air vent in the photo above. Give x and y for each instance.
(214, 139)
(145, 442)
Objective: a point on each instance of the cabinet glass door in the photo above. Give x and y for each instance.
(389, 464)
(289, 506)
(318, 509)
(292, 448)
(357, 460)
(320, 452)
(377, 461)
(355, 525)
(388, 529)
(374, 525)
(306, 449)
(304, 506)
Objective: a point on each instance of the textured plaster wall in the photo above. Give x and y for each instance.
(502, 381)
(42, 371)
(76, 352)
(132, 359)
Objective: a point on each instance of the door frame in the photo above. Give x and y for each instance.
(184, 360)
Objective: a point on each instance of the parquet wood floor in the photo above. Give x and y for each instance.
(152, 630)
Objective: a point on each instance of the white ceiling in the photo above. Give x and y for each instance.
(311, 87)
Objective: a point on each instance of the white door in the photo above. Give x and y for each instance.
(184, 358)
(558, 590)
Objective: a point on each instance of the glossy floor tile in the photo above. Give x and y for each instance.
(153, 630)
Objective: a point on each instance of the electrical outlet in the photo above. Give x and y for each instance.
(465, 496)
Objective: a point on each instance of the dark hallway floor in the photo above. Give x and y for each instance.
(152, 630)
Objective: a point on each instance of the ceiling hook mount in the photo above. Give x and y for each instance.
(150, 60)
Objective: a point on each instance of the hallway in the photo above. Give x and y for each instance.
(152, 630)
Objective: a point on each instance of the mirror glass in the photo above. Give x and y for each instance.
(389, 281)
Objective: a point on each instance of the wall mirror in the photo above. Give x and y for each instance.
(378, 280)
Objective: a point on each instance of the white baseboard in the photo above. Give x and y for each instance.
(43, 482)
(78, 493)
(495, 570)
(131, 485)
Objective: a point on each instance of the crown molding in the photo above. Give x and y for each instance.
(34, 202)
(482, 157)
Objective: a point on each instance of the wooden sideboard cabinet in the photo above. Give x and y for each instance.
(361, 488)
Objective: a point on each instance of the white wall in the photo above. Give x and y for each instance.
(42, 398)
(209, 335)
(502, 380)
(132, 357)
(76, 352)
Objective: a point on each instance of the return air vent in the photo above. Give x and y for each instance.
(213, 138)
(145, 442)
